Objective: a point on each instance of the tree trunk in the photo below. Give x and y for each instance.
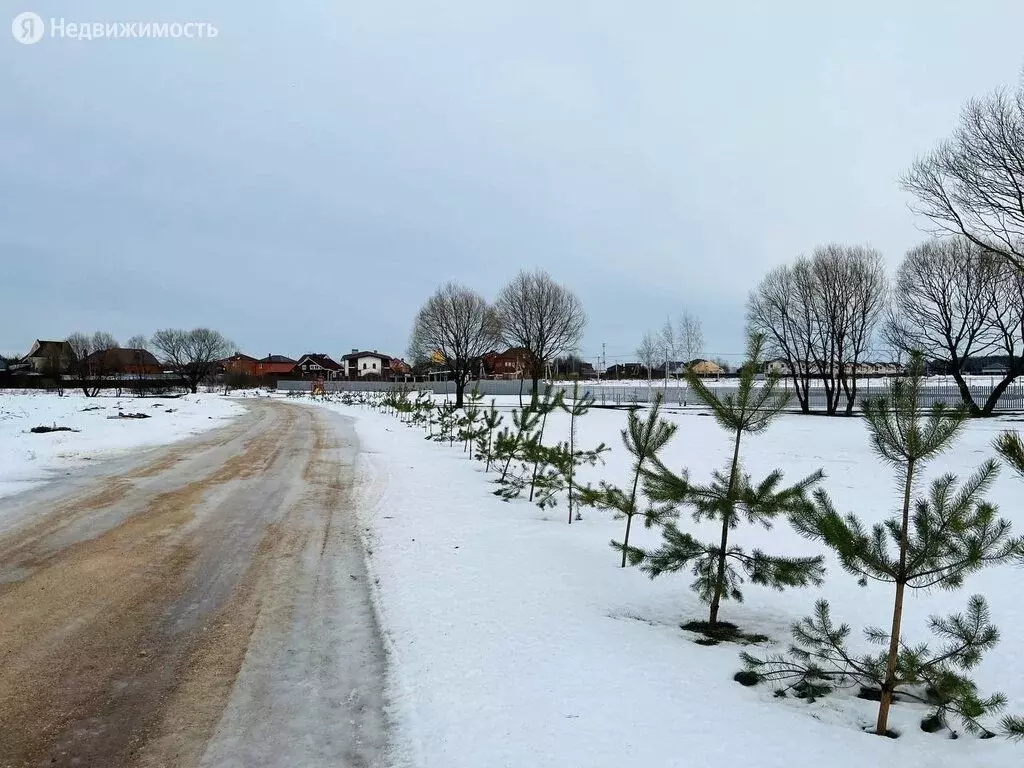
(851, 392)
(965, 393)
(889, 685)
(993, 399)
(625, 542)
(716, 600)
(460, 388)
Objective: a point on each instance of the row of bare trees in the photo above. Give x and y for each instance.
(682, 338)
(956, 299)
(192, 355)
(533, 312)
(819, 316)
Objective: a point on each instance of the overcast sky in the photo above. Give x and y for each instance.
(303, 181)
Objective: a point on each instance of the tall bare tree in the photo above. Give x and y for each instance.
(942, 306)
(972, 184)
(777, 310)
(92, 366)
(691, 336)
(849, 290)
(193, 355)
(137, 341)
(649, 352)
(669, 340)
(541, 316)
(459, 324)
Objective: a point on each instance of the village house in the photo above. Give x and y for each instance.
(117, 361)
(50, 356)
(239, 365)
(362, 364)
(399, 369)
(274, 366)
(513, 363)
(318, 366)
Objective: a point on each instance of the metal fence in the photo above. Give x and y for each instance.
(1012, 399)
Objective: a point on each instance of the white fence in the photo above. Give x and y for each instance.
(612, 395)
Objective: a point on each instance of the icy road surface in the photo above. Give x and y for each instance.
(204, 604)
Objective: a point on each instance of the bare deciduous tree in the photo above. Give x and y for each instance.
(778, 310)
(91, 365)
(669, 341)
(137, 342)
(457, 323)
(955, 301)
(542, 316)
(193, 355)
(691, 336)
(649, 352)
(820, 316)
(849, 294)
(973, 183)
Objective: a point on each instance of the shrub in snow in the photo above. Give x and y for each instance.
(933, 541)
(730, 498)
(643, 439)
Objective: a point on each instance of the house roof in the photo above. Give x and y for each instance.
(357, 355)
(324, 361)
(118, 357)
(238, 357)
(276, 359)
(43, 348)
(705, 366)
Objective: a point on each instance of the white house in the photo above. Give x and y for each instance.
(358, 364)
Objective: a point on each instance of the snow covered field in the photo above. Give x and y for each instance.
(516, 640)
(27, 458)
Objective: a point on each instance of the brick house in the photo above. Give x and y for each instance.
(513, 363)
(117, 361)
(274, 366)
(239, 364)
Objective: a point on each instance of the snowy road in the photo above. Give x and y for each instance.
(204, 604)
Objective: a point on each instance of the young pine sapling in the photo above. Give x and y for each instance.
(730, 497)
(492, 419)
(643, 438)
(535, 450)
(932, 541)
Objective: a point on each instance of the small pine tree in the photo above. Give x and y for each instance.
(575, 457)
(729, 498)
(509, 442)
(485, 439)
(643, 439)
(469, 422)
(534, 449)
(446, 415)
(933, 541)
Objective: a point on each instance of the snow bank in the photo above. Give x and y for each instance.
(516, 641)
(27, 459)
